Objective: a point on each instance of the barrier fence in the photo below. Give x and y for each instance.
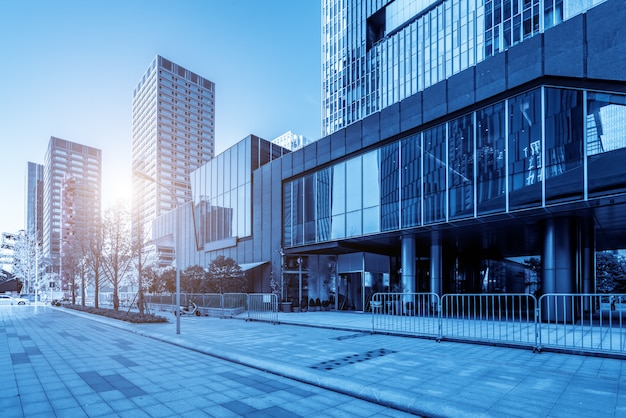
(579, 322)
(262, 306)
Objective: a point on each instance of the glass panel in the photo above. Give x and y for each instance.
(309, 209)
(525, 150)
(354, 194)
(338, 229)
(564, 145)
(339, 189)
(298, 224)
(287, 215)
(371, 220)
(606, 143)
(435, 174)
(411, 181)
(371, 179)
(490, 144)
(323, 204)
(353, 223)
(461, 167)
(242, 204)
(389, 176)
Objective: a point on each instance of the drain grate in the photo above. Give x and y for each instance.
(349, 337)
(352, 359)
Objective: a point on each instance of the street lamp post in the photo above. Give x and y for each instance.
(146, 177)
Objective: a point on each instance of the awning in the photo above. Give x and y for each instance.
(250, 266)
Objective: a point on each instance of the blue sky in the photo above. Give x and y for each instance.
(69, 68)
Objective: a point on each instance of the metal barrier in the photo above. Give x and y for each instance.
(583, 322)
(263, 306)
(508, 318)
(234, 304)
(415, 313)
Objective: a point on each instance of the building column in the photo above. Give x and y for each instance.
(588, 255)
(408, 263)
(558, 267)
(435, 265)
(588, 261)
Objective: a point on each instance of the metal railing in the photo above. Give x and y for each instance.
(508, 318)
(590, 323)
(415, 313)
(263, 306)
(583, 322)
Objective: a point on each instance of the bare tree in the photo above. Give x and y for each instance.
(116, 247)
(25, 259)
(94, 258)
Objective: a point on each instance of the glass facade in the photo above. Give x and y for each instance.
(222, 190)
(378, 52)
(542, 147)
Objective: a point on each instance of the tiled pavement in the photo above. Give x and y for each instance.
(60, 362)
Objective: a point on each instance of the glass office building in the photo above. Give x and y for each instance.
(515, 156)
(376, 53)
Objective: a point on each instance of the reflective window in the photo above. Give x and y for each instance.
(389, 189)
(461, 167)
(322, 207)
(525, 157)
(606, 142)
(411, 178)
(490, 159)
(288, 205)
(563, 158)
(435, 174)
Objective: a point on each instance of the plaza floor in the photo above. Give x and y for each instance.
(58, 362)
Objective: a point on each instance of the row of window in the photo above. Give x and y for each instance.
(544, 147)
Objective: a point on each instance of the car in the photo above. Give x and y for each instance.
(10, 300)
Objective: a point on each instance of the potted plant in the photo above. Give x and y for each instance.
(326, 305)
(285, 306)
(295, 306)
(311, 305)
(303, 306)
(318, 304)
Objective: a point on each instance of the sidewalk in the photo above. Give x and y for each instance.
(336, 351)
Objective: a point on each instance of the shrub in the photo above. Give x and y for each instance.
(134, 317)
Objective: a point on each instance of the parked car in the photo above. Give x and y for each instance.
(10, 300)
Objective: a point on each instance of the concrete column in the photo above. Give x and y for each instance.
(588, 255)
(588, 261)
(408, 263)
(558, 266)
(435, 263)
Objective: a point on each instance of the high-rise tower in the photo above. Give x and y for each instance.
(72, 196)
(173, 134)
(34, 201)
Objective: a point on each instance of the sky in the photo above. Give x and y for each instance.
(68, 69)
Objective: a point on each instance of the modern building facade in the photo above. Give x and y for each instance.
(221, 217)
(71, 198)
(173, 134)
(34, 201)
(377, 53)
(463, 183)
